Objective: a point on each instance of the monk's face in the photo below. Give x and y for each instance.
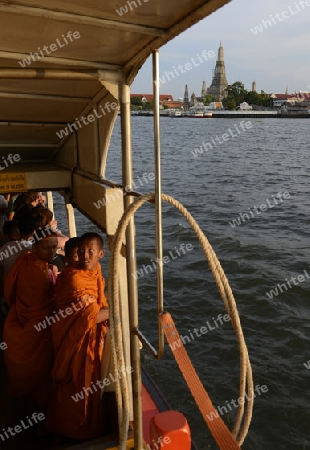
(73, 257)
(89, 254)
(46, 248)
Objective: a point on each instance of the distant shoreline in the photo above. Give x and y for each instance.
(234, 114)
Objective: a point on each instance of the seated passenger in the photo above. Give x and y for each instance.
(11, 250)
(11, 231)
(46, 218)
(41, 199)
(58, 263)
(7, 258)
(78, 339)
(10, 211)
(28, 291)
(22, 241)
(26, 198)
(17, 236)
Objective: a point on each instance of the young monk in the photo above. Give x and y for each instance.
(28, 291)
(71, 251)
(78, 339)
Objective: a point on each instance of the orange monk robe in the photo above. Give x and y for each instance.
(78, 347)
(29, 293)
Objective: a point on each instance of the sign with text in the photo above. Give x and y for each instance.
(13, 182)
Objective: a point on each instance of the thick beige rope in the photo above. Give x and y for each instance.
(246, 379)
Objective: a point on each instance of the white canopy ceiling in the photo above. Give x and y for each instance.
(85, 46)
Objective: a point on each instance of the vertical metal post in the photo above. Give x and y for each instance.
(131, 268)
(70, 220)
(158, 202)
(50, 202)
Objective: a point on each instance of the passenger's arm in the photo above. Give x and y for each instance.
(103, 315)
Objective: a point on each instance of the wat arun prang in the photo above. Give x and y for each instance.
(218, 85)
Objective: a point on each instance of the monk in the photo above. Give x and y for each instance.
(78, 342)
(28, 291)
(71, 251)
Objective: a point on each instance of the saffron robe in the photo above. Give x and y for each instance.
(78, 344)
(28, 291)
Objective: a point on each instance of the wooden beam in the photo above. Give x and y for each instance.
(80, 19)
(60, 61)
(28, 145)
(61, 98)
(32, 124)
(49, 74)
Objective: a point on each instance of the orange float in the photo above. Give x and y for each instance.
(169, 430)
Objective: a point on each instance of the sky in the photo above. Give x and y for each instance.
(276, 57)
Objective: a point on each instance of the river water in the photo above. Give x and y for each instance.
(263, 171)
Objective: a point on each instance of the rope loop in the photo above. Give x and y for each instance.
(122, 392)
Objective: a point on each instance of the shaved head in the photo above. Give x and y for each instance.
(91, 236)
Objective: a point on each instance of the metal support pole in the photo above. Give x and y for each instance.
(131, 268)
(50, 202)
(158, 202)
(71, 220)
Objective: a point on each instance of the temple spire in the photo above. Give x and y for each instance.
(203, 90)
(221, 53)
(186, 98)
(219, 81)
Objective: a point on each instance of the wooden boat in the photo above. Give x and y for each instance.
(65, 72)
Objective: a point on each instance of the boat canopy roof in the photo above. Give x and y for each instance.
(39, 95)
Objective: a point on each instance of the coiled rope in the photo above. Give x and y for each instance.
(122, 391)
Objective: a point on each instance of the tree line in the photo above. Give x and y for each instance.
(236, 94)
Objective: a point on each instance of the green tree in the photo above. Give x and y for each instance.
(236, 94)
(265, 98)
(135, 103)
(208, 99)
(230, 103)
(253, 98)
(149, 106)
